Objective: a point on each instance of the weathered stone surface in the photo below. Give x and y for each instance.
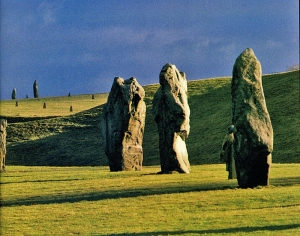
(35, 89)
(3, 125)
(254, 133)
(172, 115)
(123, 125)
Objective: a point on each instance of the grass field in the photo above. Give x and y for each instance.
(94, 201)
(41, 197)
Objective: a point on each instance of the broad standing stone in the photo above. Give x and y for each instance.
(123, 125)
(254, 133)
(172, 115)
(3, 125)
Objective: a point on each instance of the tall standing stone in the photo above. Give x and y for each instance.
(3, 125)
(123, 125)
(14, 94)
(35, 89)
(254, 133)
(172, 115)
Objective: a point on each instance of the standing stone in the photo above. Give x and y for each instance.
(254, 133)
(3, 125)
(14, 94)
(35, 89)
(172, 115)
(228, 151)
(123, 125)
(44, 105)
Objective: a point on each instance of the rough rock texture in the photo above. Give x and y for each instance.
(172, 115)
(254, 133)
(35, 89)
(3, 125)
(123, 125)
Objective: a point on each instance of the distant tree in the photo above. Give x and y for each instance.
(14, 94)
(35, 89)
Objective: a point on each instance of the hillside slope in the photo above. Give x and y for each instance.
(76, 139)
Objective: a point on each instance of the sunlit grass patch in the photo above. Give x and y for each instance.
(94, 201)
(55, 106)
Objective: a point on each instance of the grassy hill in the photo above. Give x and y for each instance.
(38, 137)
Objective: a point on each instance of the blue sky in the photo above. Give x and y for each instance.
(79, 46)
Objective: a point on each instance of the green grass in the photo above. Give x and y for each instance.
(94, 201)
(75, 138)
(40, 200)
(55, 106)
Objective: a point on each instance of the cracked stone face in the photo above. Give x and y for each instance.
(123, 125)
(172, 115)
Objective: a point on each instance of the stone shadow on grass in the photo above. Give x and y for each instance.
(138, 192)
(113, 194)
(246, 229)
(286, 181)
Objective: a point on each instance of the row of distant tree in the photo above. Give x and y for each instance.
(35, 91)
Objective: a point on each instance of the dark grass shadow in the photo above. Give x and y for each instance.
(112, 194)
(76, 146)
(12, 120)
(246, 229)
(136, 192)
(38, 181)
(74, 140)
(286, 181)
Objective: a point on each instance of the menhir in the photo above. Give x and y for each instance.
(254, 133)
(3, 125)
(123, 125)
(172, 115)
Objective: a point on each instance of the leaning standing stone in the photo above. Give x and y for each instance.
(123, 125)
(254, 133)
(3, 125)
(172, 115)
